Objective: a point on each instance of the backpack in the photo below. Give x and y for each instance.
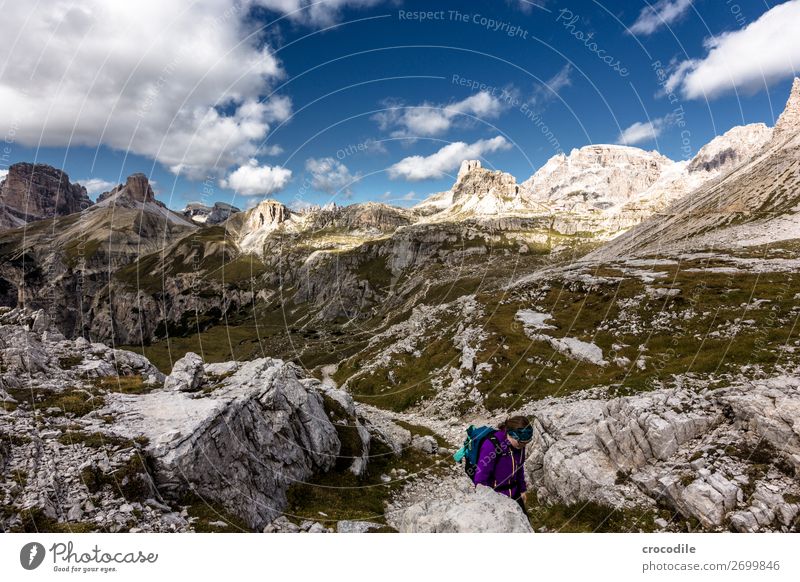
(471, 448)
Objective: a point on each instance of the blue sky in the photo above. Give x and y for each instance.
(353, 100)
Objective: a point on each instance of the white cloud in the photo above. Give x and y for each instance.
(3, 174)
(660, 14)
(95, 186)
(180, 84)
(760, 54)
(447, 159)
(429, 119)
(331, 176)
(642, 131)
(273, 150)
(542, 94)
(255, 180)
(314, 12)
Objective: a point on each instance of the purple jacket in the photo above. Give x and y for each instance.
(505, 473)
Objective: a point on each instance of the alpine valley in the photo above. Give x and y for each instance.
(282, 370)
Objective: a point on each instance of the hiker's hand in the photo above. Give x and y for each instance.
(524, 497)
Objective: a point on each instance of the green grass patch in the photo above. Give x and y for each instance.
(205, 512)
(78, 402)
(343, 496)
(35, 521)
(405, 381)
(97, 440)
(125, 384)
(589, 517)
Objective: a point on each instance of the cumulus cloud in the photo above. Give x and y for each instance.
(331, 176)
(660, 14)
(253, 179)
(314, 12)
(642, 131)
(446, 160)
(758, 55)
(430, 119)
(95, 186)
(3, 174)
(182, 86)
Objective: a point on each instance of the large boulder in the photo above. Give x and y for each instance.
(250, 436)
(187, 374)
(467, 510)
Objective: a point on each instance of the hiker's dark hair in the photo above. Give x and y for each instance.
(513, 422)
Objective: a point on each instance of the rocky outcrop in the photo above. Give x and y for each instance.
(32, 350)
(268, 214)
(734, 147)
(241, 442)
(37, 191)
(596, 177)
(102, 437)
(697, 451)
(478, 193)
(788, 123)
(136, 189)
(468, 509)
(369, 218)
(257, 224)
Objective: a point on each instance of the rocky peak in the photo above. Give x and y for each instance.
(37, 191)
(467, 166)
(473, 180)
(477, 192)
(789, 121)
(136, 189)
(727, 151)
(268, 214)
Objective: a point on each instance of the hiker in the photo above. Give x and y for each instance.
(501, 459)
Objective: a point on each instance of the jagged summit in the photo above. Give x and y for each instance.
(789, 120)
(268, 214)
(477, 192)
(137, 194)
(136, 189)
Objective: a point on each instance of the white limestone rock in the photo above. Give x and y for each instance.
(241, 445)
(187, 374)
(470, 510)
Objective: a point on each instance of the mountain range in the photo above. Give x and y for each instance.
(639, 309)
